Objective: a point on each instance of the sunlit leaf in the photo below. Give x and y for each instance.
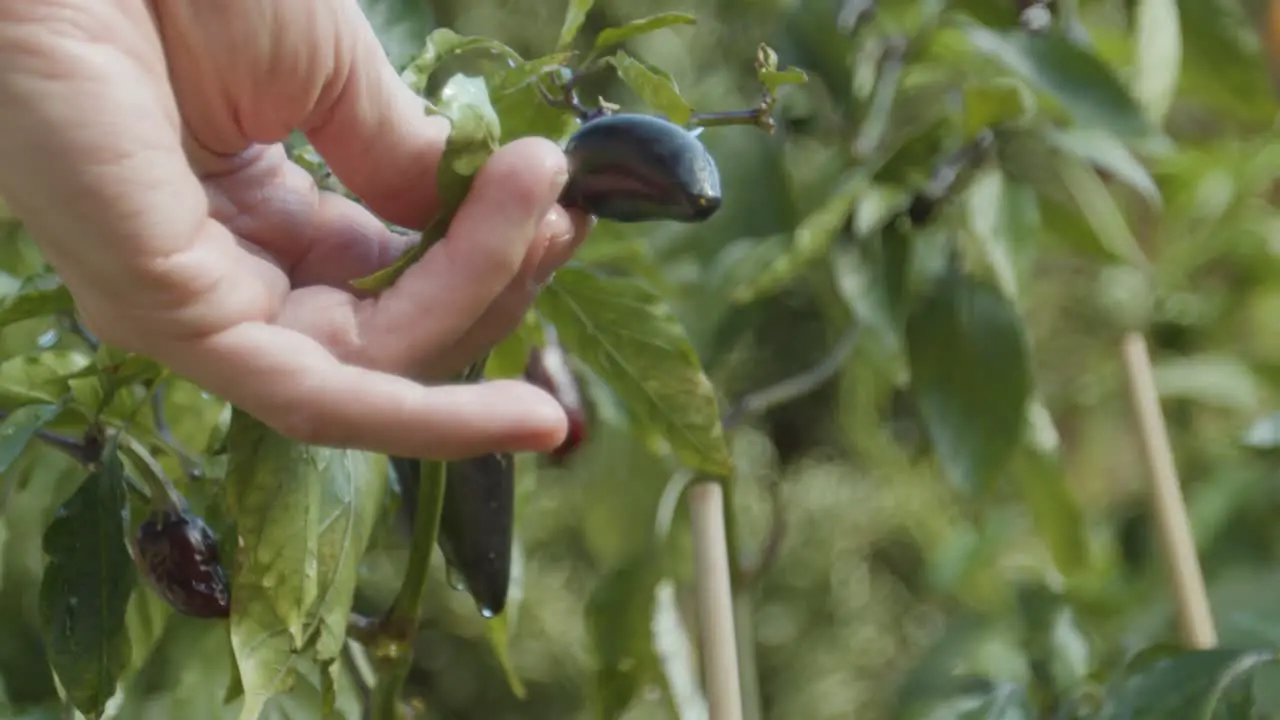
(39, 377)
(304, 516)
(85, 590)
(611, 37)
(773, 80)
(659, 91)
(624, 331)
(34, 302)
(17, 430)
(970, 373)
(1086, 88)
(1157, 40)
(575, 15)
(1186, 686)
(443, 43)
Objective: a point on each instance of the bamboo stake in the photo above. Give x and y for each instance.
(1195, 618)
(719, 645)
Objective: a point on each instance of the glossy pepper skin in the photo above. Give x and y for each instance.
(639, 168)
(548, 368)
(476, 522)
(178, 556)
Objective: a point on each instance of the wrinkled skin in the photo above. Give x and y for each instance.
(140, 142)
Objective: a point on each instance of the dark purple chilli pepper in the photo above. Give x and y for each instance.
(477, 522)
(639, 168)
(177, 554)
(548, 368)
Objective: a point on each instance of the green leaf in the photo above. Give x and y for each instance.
(772, 80)
(147, 618)
(443, 43)
(619, 613)
(1100, 211)
(1087, 89)
(17, 430)
(1186, 686)
(610, 37)
(85, 591)
(33, 302)
(988, 103)
(509, 357)
(39, 377)
(625, 332)
(474, 135)
(1003, 215)
(1105, 152)
(971, 376)
(304, 516)
(1042, 481)
(575, 15)
(1157, 40)
(657, 90)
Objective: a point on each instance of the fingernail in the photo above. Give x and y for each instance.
(558, 230)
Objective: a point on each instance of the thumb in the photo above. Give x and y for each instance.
(374, 132)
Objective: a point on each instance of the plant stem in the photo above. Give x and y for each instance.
(715, 601)
(758, 402)
(394, 651)
(1195, 618)
(754, 116)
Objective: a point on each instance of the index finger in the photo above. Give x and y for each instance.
(291, 383)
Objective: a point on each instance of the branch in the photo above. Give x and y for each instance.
(759, 402)
(86, 451)
(77, 328)
(190, 465)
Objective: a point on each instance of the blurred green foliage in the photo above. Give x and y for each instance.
(961, 521)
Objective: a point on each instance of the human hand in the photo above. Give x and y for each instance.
(140, 144)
